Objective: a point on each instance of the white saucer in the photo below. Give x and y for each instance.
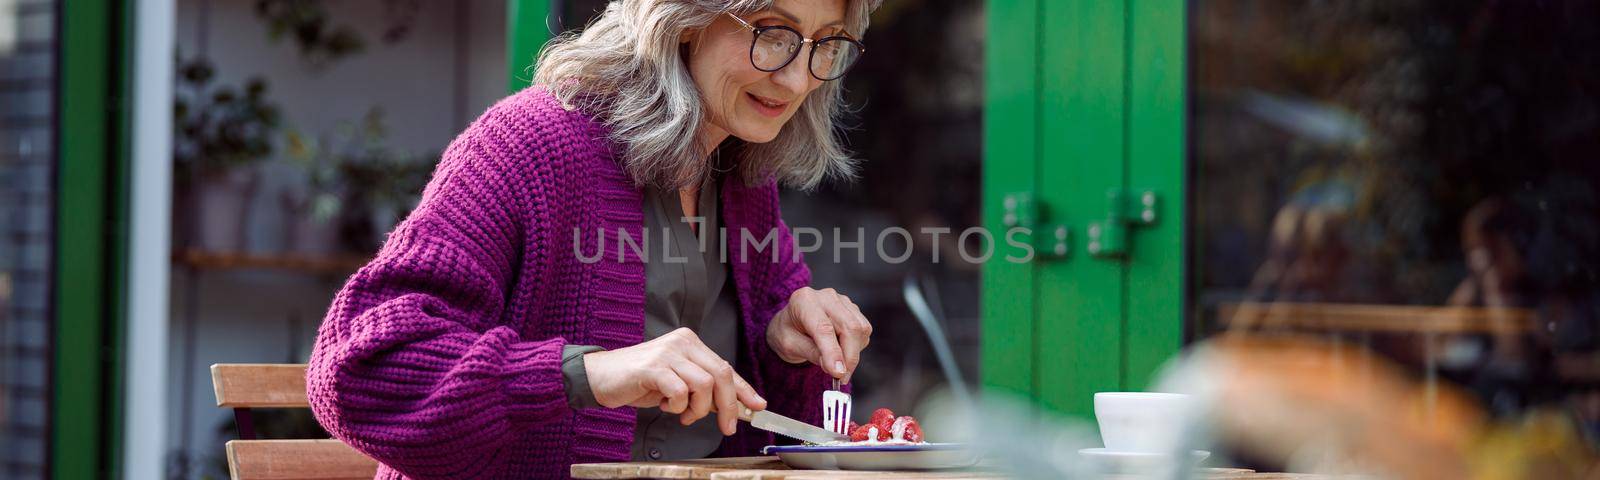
(1122, 461)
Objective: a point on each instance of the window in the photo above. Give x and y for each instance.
(27, 238)
(1417, 178)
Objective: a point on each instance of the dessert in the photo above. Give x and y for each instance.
(884, 427)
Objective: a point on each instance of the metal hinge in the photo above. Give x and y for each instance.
(1050, 240)
(1124, 209)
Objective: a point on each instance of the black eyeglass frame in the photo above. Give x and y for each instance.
(755, 36)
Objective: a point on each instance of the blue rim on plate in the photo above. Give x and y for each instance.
(774, 449)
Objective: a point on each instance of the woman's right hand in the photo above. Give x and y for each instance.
(676, 372)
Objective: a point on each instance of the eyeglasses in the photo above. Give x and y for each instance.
(773, 47)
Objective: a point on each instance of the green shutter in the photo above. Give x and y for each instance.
(1156, 150)
(1011, 159)
(526, 32)
(1080, 298)
(90, 239)
(1106, 82)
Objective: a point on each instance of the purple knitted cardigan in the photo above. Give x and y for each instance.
(442, 357)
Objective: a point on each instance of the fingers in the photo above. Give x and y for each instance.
(854, 332)
(727, 399)
(686, 347)
(702, 388)
(673, 393)
(730, 390)
(651, 399)
(748, 395)
(713, 384)
(850, 344)
(819, 326)
(862, 330)
(726, 394)
(676, 372)
(791, 338)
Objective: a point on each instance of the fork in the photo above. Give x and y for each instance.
(836, 410)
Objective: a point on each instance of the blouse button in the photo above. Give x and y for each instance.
(655, 453)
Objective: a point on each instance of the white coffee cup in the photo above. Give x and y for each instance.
(1144, 422)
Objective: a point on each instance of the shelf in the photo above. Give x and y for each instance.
(312, 264)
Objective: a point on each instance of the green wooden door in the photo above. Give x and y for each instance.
(90, 227)
(526, 31)
(1084, 115)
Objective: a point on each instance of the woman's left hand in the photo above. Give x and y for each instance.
(822, 327)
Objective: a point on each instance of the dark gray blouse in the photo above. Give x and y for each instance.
(686, 285)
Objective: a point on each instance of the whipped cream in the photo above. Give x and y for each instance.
(897, 436)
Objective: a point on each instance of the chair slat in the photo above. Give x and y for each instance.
(326, 459)
(243, 385)
(1337, 317)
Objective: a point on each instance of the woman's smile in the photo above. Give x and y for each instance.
(767, 106)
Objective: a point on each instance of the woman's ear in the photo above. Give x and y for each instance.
(693, 38)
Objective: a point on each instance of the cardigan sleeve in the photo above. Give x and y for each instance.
(414, 364)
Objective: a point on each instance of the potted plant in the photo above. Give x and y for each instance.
(221, 133)
(358, 181)
(319, 39)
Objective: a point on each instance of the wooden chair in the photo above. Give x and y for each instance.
(1428, 322)
(242, 387)
(1354, 318)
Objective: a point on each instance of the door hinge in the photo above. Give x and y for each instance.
(1124, 209)
(1050, 239)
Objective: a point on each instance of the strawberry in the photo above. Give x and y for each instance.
(882, 415)
(884, 420)
(884, 435)
(863, 432)
(913, 431)
(884, 430)
(858, 433)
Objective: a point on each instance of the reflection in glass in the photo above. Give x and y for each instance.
(1418, 178)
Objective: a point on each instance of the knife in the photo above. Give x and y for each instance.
(789, 427)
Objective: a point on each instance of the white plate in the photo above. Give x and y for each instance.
(1115, 461)
(927, 456)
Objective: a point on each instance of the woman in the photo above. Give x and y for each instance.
(502, 333)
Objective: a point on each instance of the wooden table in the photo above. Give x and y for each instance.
(769, 468)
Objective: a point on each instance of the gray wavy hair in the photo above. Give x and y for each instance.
(627, 69)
